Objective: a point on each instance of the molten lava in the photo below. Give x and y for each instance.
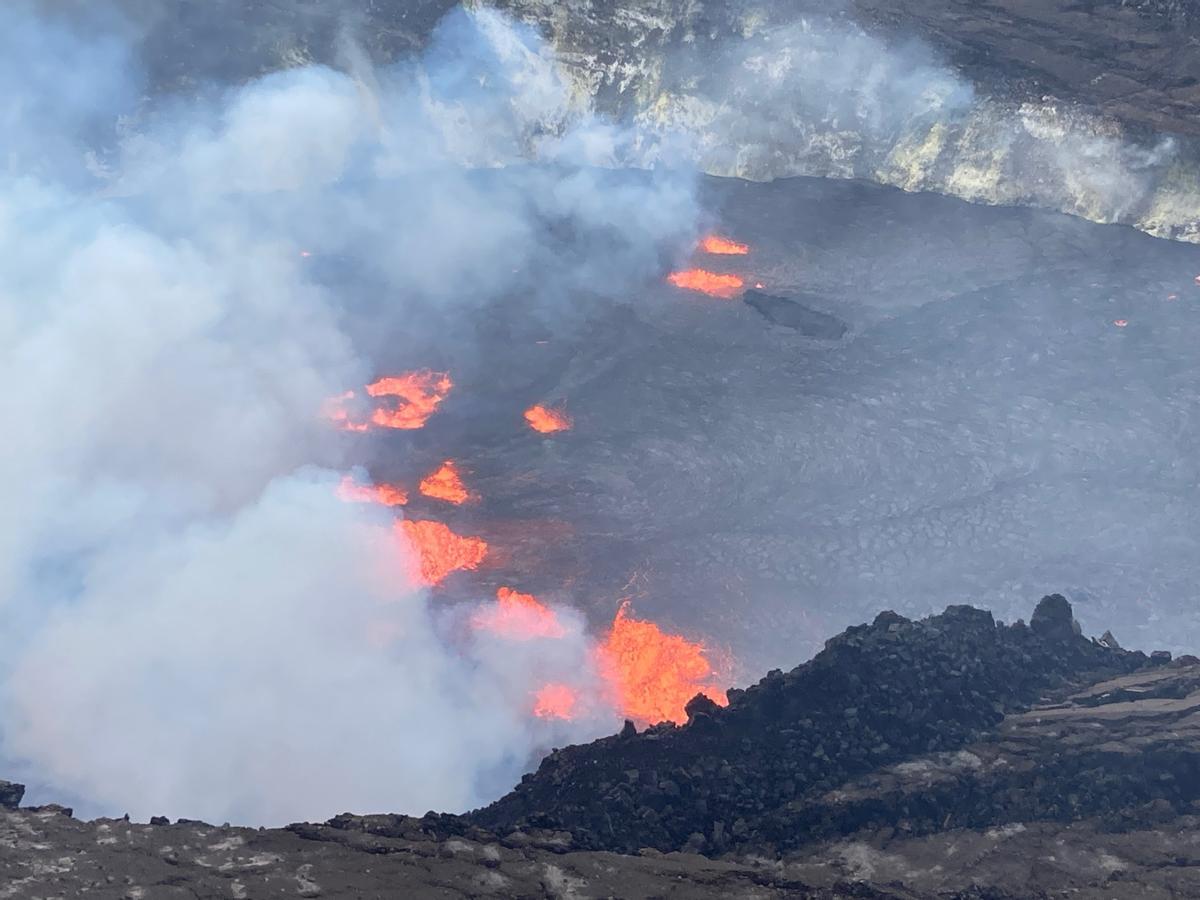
(654, 674)
(385, 494)
(555, 701)
(711, 283)
(335, 410)
(446, 484)
(547, 420)
(440, 551)
(420, 394)
(519, 617)
(720, 246)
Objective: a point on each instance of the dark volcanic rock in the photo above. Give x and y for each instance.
(949, 757)
(791, 313)
(1053, 619)
(11, 794)
(745, 775)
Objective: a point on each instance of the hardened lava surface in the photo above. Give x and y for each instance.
(1012, 404)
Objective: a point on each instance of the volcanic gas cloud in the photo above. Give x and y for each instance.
(519, 617)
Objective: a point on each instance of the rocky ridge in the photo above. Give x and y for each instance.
(949, 757)
(745, 777)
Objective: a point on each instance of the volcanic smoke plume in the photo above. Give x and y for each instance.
(193, 621)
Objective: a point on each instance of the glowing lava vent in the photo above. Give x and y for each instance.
(655, 674)
(385, 494)
(720, 246)
(555, 701)
(547, 420)
(446, 484)
(337, 410)
(420, 394)
(440, 551)
(712, 283)
(519, 617)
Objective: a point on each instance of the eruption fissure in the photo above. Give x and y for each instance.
(383, 494)
(654, 674)
(519, 617)
(440, 551)
(547, 420)
(420, 394)
(715, 284)
(446, 484)
(721, 246)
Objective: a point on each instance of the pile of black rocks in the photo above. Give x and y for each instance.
(744, 776)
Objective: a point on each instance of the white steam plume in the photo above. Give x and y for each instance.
(820, 96)
(190, 622)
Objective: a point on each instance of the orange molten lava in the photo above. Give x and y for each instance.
(547, 420)
(654, 674)
(711, 283)
(420, 394)
(723, 246)
(386, 494)
(520, 617)
(335, 410)
(440, 551)
(555, 701)
(446, 484)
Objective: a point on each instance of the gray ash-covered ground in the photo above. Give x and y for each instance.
(986, 426)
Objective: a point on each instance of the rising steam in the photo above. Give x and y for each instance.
(193, 622)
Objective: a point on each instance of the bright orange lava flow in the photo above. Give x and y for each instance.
(655, 674)
(711, 283)
(420, 394)
(519, 617)
(446, 484)
(547, 420)
(385, 494)
(555, 701)
(440, 551)
(723, 246)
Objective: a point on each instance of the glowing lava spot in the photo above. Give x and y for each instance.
(440, 551)
(711, 283)
(446, 484)
(555, 701)
(519, 617)
(385, 494)
(335, 410)
(420, 394)
(654, 674)
(723, 246)
(547, 420)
